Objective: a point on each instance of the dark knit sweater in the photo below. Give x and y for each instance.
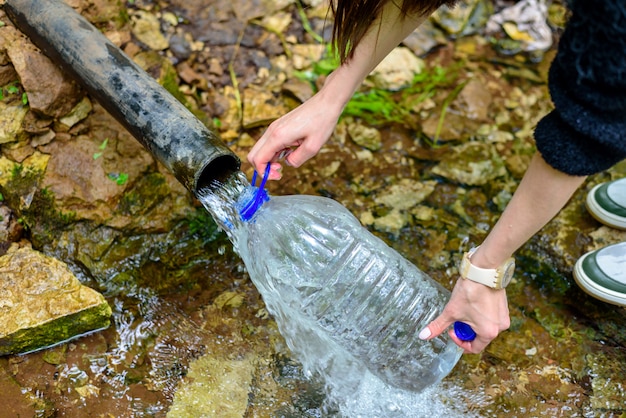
(586, 133)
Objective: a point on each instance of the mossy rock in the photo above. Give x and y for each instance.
(42, 303)
(472, 163)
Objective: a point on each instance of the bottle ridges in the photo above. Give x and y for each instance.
(367, 302)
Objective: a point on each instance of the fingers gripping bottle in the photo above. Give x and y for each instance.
(361, 293)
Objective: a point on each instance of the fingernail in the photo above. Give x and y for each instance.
(424, 334)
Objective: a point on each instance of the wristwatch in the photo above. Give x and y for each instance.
(497, 278)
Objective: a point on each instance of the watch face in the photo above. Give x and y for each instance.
(508, 273)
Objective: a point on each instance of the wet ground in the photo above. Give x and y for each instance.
(184, 310)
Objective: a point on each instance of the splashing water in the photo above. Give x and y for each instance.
(351, 390)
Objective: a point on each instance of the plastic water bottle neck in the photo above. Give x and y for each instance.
(259, 197)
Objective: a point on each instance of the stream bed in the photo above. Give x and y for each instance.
(190, 334)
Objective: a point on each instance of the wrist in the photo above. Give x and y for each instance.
(484, 257)
(339, 87)
(331, 102)
(497, 277)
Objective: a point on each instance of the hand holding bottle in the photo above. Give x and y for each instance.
(337, 286)
(541, 194)
(296, 136)
(301, 133)
(484, 309)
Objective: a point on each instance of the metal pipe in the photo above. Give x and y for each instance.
(163, 125)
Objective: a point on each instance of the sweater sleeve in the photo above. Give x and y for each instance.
(586, 131)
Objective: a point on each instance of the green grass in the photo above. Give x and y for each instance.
(378, 106)
(13, 90)
(119, 178)
(101, 147)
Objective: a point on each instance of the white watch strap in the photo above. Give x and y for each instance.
(476, 274)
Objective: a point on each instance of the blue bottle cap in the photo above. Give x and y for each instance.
(258, 198)
(464, 331)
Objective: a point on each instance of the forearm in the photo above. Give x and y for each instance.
(385, 33)
(541, 194)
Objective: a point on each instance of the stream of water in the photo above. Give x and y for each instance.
(350, 389)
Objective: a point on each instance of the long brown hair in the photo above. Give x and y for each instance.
(354, 17)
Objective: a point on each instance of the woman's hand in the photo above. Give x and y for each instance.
(483, 308)
(301, 133)
(541, 194)
(296, 136)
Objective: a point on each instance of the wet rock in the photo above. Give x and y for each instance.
(608, 383)
(524, 22)
(406, 194)
(392, 222)
(119, 38)
(20, 182)
(247, 10)
(42, 303)
(214, 387)
(81, 182)
(304, 56)
(36, 124)
(18, 151)
(604, 236)
(78, 113)
(424, 38)
(100, 11)
(50, 91)
(191, 77)
(180, 47)
(260, 107)
(472, 163)
(454, 126)
(154, 203)
(15, 403)
(147, 29)
(99, 178)
(402, 198)
(277, 22)
(10, 229)
(300, 89)
(365, 136)
(465, 18)
(11, 117)
(230, 118)
(474, 100)
(397, 70)
(7, 74)
(43, 139)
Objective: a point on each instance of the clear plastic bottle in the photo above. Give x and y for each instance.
(316, 256)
